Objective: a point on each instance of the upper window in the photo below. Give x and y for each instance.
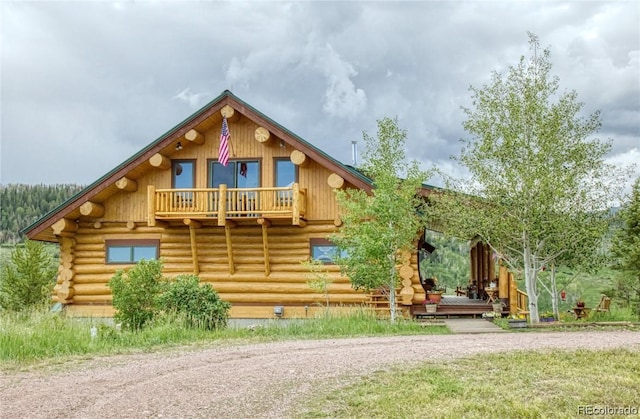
(286, 173)
(237, 174)
(131, 251)
(183, 174)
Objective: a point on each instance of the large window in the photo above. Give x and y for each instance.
(286, 173)
(237, 174)
(131, 251)
(324, 251)
(183, 174)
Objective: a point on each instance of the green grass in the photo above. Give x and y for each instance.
(30, 338)
(545, 384)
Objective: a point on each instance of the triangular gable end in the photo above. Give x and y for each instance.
(120, 177)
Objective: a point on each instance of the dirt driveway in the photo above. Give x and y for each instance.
(250, 381)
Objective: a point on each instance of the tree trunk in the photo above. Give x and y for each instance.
(554, 292)
(530, 278)
(392, 290)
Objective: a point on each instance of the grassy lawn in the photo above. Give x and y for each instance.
(26, 339)
(523, 384)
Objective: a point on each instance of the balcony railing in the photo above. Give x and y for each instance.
(227, 203)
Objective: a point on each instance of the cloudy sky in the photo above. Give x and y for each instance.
(87, 84)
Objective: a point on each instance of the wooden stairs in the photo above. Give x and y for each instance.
(379, 303)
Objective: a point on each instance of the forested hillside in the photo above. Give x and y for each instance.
(21, 205)
(450, 261)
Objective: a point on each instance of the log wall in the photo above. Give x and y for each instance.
(249, 289)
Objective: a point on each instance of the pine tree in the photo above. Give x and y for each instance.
(626, 249)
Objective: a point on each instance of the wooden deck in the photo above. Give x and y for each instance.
(456, 306)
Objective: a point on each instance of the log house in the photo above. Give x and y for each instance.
(244, 228)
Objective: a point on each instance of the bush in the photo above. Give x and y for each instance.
(136, 292)
(27, 279)
(200, 305)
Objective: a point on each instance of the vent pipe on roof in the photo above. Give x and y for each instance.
(354, 153)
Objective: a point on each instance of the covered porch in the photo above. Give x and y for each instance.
(489, 282)
(456, 306)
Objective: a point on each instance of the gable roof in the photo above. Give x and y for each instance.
(40, 230)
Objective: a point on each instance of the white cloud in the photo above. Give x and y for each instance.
(342, 98)
(194, 100)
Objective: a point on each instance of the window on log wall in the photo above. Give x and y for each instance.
(131, 251)
(324, 251)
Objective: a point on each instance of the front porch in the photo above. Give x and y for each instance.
(456, 306)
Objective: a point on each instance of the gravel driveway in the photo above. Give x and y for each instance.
(249, 381)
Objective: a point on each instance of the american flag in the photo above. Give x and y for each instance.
(223, 151)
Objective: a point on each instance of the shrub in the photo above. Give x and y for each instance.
(27, 279)
(200, 305)
(136, 292)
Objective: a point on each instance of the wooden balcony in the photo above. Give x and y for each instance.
(227, 204)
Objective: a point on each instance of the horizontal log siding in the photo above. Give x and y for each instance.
(287, 283)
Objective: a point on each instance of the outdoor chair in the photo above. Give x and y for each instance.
(603, 305)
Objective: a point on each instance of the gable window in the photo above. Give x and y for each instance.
(324, 251)
(131, 251)
(286, 173)
(183, 174)
(237, 174)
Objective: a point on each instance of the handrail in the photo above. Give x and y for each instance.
(522, 302)
(223, 202)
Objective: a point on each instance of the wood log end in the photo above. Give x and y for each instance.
(228, 112)
(160, 161)
(92, 209)
(126, 184)
(64, 225)
(335, 181)
(298, 158)
(192, 223)
(264, 222)
(262, 135)
(406, 272)
(194, 137)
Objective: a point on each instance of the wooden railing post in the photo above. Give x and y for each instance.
(503, 281)
(151, 206)
(222, 205)
(296, 204)
(513, 294)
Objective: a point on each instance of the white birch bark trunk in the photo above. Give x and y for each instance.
(554, 293)
(530, 278)
(392, 289)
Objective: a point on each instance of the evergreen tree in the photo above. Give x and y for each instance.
(28, 278)
(22, 205)
(626, 249)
